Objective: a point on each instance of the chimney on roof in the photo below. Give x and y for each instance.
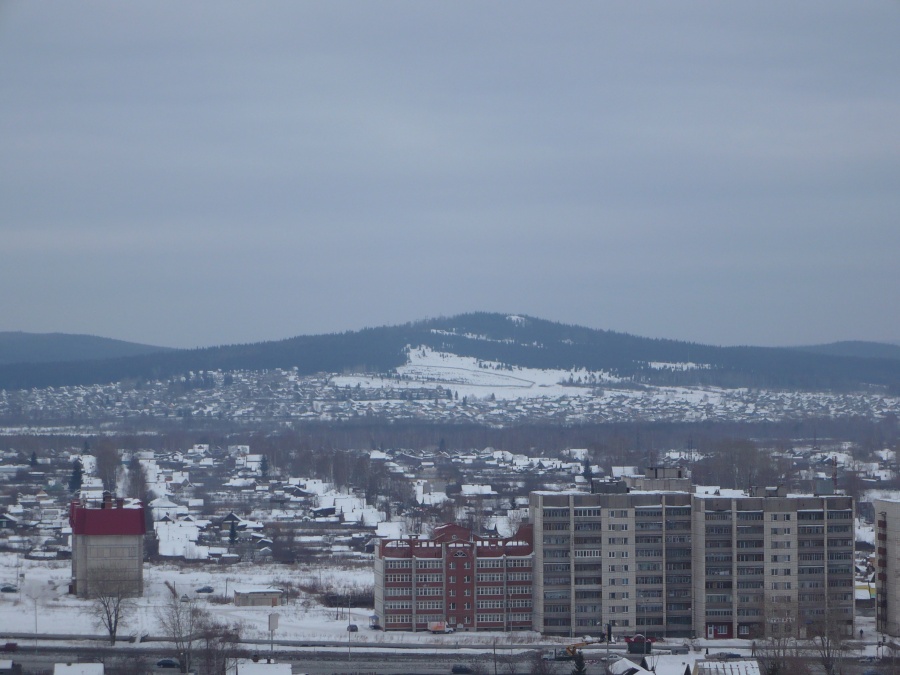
(107, 501)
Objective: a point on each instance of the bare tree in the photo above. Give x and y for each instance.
(778, 653)
(181, 618)
(112, 603)
(218, 643)
(108, 461)
(829, 640)
(538, 665)
(507, 663)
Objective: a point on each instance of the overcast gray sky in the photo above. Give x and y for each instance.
(191, 174)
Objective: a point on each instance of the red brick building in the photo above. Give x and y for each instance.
(457, 578)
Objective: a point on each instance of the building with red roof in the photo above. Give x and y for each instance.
(107, 547)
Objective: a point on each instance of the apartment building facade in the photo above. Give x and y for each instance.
(456, 578)
(771, 563)
(614, 557)
(887, 566)
(648, 554)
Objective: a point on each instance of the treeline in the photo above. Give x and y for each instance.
(529, 342)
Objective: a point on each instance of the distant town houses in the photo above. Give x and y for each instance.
(222, 505)
(282, 395)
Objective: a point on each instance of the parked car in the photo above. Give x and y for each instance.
(168, 663)
(353, 628)
(206, 589)
(460, 669)
(8, 589)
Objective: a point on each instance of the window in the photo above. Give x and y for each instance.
(398, 564)
(489, 562)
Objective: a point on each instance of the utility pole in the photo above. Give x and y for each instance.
(273, 626)
(495, 656)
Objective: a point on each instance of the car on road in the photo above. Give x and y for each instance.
(461, 669)
(8, 589)
(205, 589)
(168, 663)
(353, 628)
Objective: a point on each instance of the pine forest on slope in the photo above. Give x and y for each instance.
(514, 340)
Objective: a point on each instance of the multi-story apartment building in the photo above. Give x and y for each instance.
(648, 554)
(771, 563)
(619, 557)
(887, 566)
(456, 578)
(107, 548)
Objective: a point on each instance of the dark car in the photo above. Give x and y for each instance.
(353, 628)
(206, 589)
(168, 663)
(460, 669)
(8, 589)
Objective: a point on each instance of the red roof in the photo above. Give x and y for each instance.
(116, 521)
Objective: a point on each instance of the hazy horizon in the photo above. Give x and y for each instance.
(222, 173)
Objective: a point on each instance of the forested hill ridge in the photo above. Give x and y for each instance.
(20, 347)
(857, 348)
(512, 340)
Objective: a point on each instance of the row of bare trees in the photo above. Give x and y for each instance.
(202, 642)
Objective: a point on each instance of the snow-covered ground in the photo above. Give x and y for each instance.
(43, 605)
(474, 378)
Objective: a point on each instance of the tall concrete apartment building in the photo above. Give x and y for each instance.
(107, 548)
(650, 554)
(456, 578)
(620, 556)
(771, 563)
(887, 566)
(655, 555)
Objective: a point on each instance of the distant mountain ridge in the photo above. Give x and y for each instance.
(856, 348)
(508, 339)
(21, 347)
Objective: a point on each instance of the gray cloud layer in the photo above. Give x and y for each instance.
(206, 173)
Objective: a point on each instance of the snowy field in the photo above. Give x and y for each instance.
(475, 378)
(43, 605)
